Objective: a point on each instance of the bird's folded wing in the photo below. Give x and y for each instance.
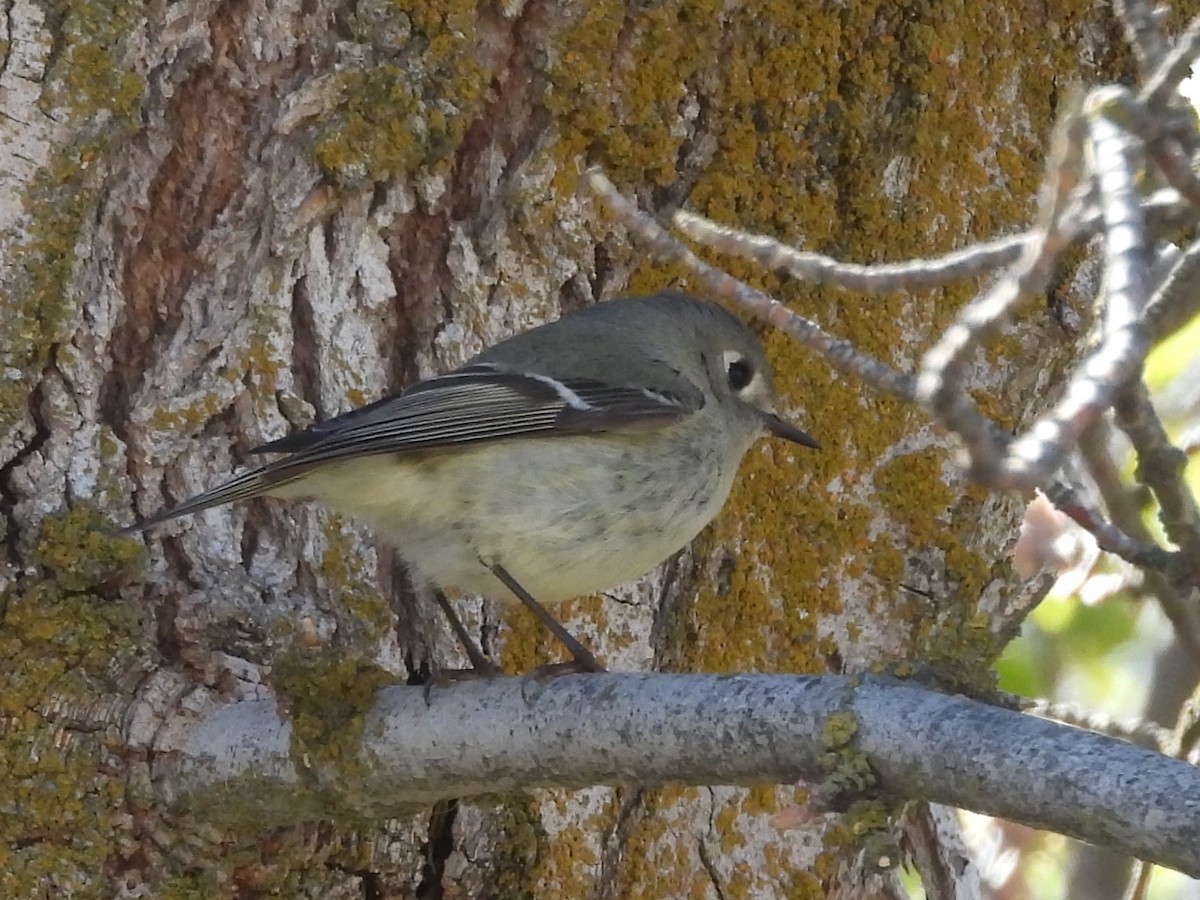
(484, 402)
(481, 402)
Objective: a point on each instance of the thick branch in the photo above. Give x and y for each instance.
(505, 734)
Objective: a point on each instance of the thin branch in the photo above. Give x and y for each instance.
(1176, 300)
(1139, 880)
(1109, 537)
(943, 368)
(1176, 168)
(1160, 133)
(666, 247)
(1164, 210)
(1147, 734)
(1041, 450)
(1142, 33)
(919, 274)
(1160, 467)
(1161, 90)
(504, 734)
(1183, 612)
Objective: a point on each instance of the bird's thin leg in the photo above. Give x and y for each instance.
(479, 661)
(583, 659)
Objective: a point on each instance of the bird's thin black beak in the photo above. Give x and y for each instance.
(788, 431)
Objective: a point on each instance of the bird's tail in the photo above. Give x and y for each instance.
(243, 487)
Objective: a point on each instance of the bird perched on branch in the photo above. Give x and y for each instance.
(560, 462)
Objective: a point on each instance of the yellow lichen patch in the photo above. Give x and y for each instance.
(761, 800)
(742, 625)
(966, 569)
(591, 608)
(60, 655)
(326, 696)
(186, 418)
(61, 811)
(568, 857)
(962, 637)
(680, 839)
(391, 119)
(354, 585)
(724, 824)
(89, 74)
(863, 827)
(887, 562)
(66, 643)
(527, 644)
(378, 133)
(260, 357)
(649, 54)
(77, 552)
(518, 858)
(574, 843)
(913, 490)
(656, 863)
(87, 78)
(35, 294)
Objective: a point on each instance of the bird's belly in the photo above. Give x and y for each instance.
(557, 563)
(561, 527)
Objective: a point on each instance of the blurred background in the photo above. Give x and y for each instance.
(1101, 647)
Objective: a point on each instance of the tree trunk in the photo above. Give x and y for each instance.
(224, 221)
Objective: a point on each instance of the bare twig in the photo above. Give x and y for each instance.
(1177, 298)
(979, 259)
(1159, 134)
(1142, 33)
(1139, 880)
(1119, 498)
(1161, 90)
(1160, 468)
(664, 246)
(1186, 739)
(1109, 537)
(940, 383)
(1165, 209)
(1126, 514)
(1147, 734)
(1123, 343)
(1176, 168)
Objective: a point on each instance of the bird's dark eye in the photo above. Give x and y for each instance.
(740, 373)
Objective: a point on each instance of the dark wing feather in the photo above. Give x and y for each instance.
(481, 402)
(292, 443)
(243, 487)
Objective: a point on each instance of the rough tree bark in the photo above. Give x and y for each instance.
(223, 220)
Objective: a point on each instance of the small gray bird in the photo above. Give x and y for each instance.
(560, 462)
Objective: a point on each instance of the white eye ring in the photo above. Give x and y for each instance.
(738, 371)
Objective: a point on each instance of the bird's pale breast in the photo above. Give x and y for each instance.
(566, 516)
